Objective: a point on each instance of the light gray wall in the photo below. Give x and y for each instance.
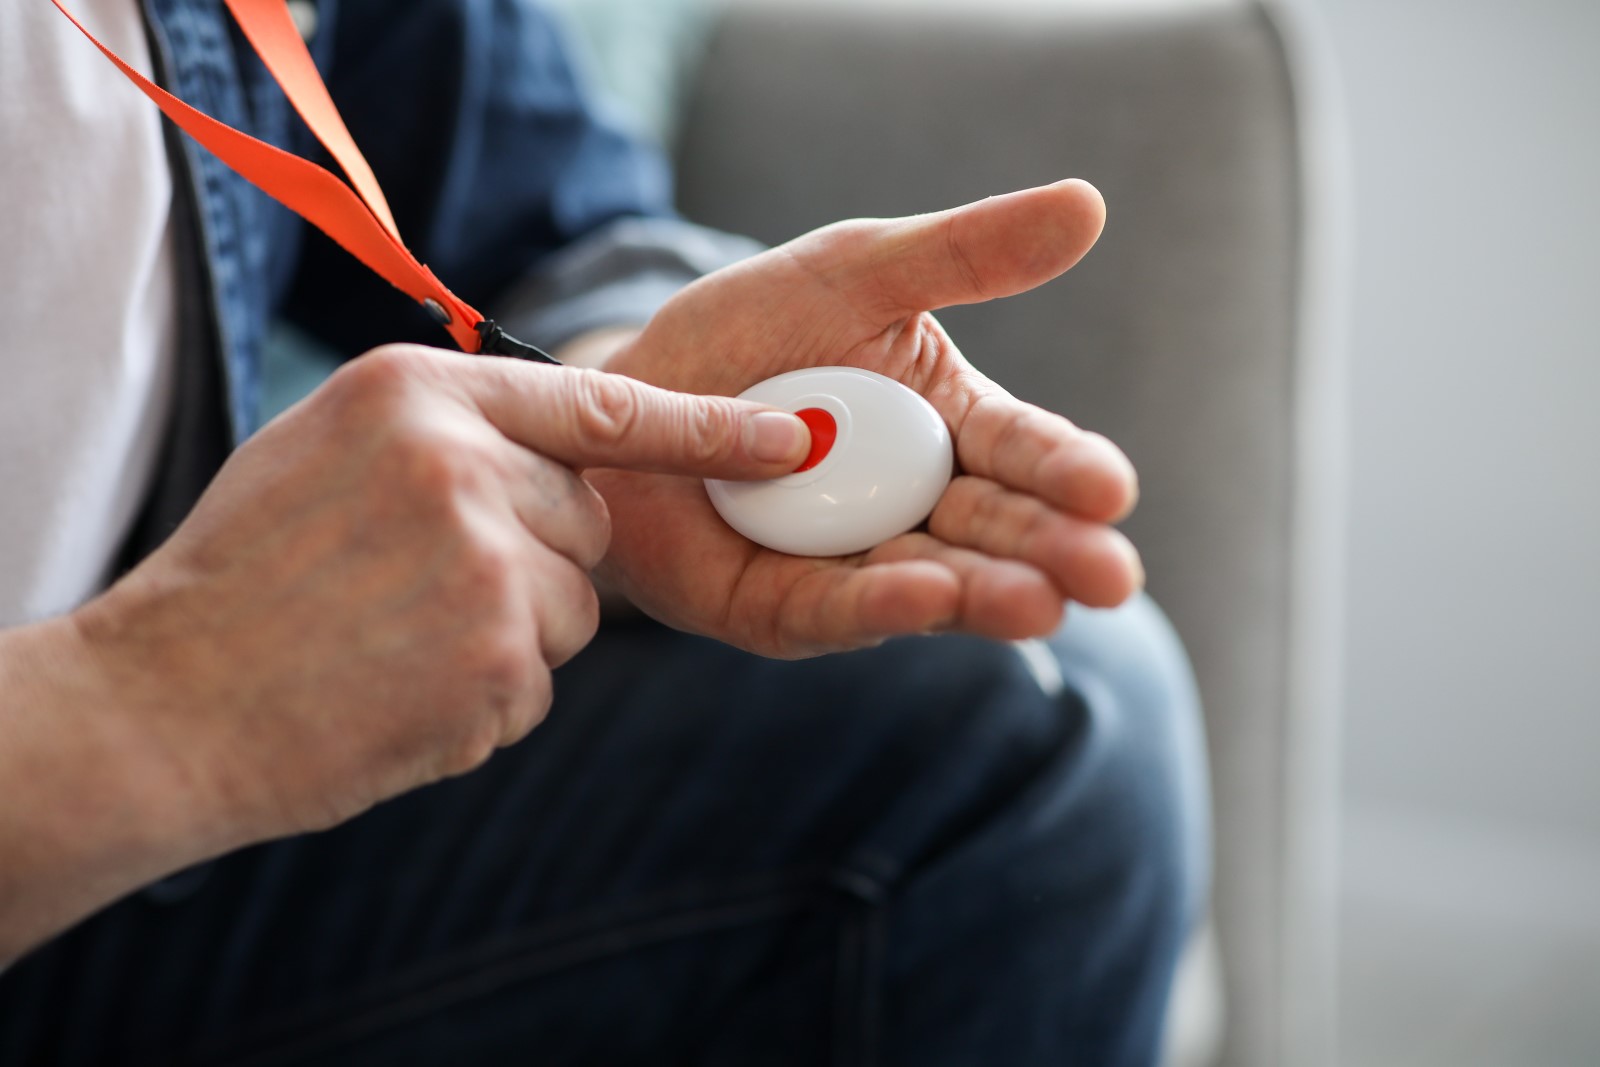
(1471, 933)
(1474, 643)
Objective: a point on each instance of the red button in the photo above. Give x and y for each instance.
(824, 431)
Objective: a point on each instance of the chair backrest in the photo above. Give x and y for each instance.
(1179, 336)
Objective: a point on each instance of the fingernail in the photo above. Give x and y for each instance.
(1138, 565)
(772, 436)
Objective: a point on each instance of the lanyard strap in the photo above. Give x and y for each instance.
(358, 218)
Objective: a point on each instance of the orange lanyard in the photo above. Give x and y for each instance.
(357, 218)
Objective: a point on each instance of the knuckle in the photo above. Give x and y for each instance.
(961, 260)
(990, 506)
(501, 669)
(426, 465)
(535, 706)
(502, 664)
(849, 236)
(711, 432)
(608, 409)
(1036, 525)
(437, 465)
(473, 752)
(474, 585)
(962, 507)
(497, 664)
(516, 713)
(571, 613)
(390, 362)
(484, 581)
(1042, 432)
(382, 373)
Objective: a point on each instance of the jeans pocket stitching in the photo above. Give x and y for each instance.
(487, 971)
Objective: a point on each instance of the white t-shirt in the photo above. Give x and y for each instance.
(88, 314)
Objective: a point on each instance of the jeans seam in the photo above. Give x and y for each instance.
(487, 973)
(859, 971)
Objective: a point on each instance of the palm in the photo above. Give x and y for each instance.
(1007, 544)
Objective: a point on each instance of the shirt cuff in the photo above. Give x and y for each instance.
(619, 275)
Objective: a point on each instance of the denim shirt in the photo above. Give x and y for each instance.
(503, 177)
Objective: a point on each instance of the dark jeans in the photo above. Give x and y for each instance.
(931, 853)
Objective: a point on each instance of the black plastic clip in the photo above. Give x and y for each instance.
(496, 342)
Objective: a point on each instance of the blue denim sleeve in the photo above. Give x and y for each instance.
(492, 157)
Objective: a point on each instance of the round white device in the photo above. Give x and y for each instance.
(880, 458)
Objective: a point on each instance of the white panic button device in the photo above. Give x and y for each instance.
(880, 459)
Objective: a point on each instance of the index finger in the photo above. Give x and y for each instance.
(589, 418)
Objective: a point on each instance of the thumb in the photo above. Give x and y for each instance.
(983, 251)
(589, 418)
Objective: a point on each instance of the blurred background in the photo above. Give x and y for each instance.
(1345, 319)
(1470, 887)
(1461, 251)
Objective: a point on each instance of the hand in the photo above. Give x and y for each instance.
(373, 593)
(1022, 530)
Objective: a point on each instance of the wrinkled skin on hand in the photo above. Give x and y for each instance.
(1024, 528)
(373, 592)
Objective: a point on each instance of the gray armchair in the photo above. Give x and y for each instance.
(1189, 336)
